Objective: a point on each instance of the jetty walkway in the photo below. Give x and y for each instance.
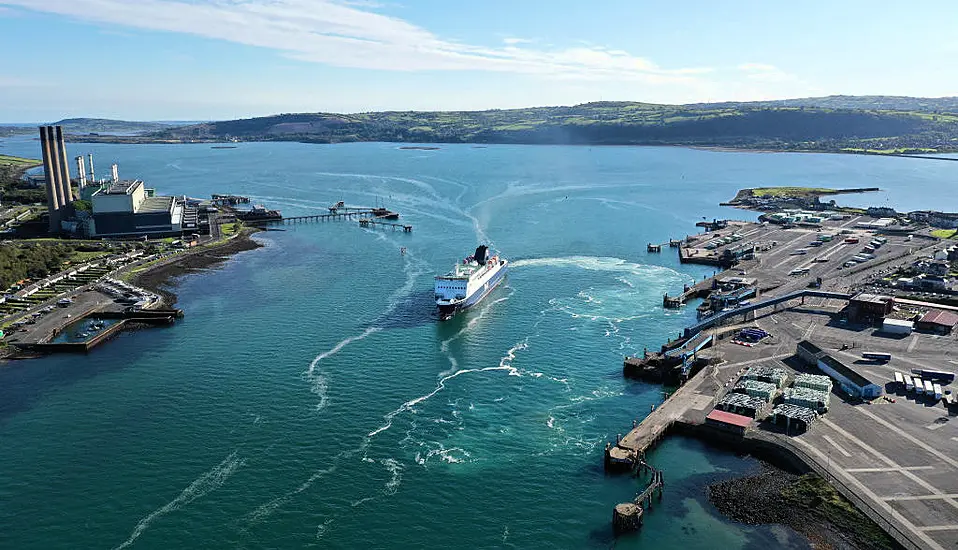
(690, 403)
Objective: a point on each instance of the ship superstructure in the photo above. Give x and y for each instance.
(469, 281)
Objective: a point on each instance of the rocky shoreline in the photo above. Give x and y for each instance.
(158, 279)
(805, 503)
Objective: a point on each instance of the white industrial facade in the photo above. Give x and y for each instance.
(850, 381)
(125, 197)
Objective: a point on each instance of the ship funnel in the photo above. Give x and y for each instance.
(480, 254)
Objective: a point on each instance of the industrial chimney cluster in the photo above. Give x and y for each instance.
(57, 173)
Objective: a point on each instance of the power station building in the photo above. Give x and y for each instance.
(119, 208)
(128, 208)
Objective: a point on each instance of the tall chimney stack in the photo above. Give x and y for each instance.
(92, 173)
(50, 174)
(65, 184)
(55, 164)
(81, 171)
(116, 173)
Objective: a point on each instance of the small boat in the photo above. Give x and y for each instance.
(83, 335)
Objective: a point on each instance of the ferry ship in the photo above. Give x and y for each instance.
(469, 281)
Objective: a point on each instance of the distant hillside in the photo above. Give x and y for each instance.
(785, 125)
(107, 126)
(862, 102)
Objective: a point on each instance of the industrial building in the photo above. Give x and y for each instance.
(897, 326)
(729, 422)
(870, 307)
(938, 321)
(808, 352)
(128, 208)
(851, 382)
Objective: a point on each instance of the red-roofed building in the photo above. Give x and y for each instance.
(937, 320)
(730, 422)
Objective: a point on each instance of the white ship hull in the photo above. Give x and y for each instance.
(467, 284)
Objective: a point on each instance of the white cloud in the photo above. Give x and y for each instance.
(761, 72)
(340, 33)
(756, 67)
(513, 41)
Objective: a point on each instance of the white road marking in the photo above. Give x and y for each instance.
(880, 470)
(837, 446)
(914, 342)
(935, 426)
(931, 488)
(952, 527)
(864, 490)
(922, 497)
(915, 440)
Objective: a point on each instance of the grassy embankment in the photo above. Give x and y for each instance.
(945, 233)
(791, 192)
(18, 163)
(11, 172)
(227, 231)
(815, 496)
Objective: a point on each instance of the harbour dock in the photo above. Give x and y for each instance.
(698, 290)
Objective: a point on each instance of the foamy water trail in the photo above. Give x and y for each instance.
(408, 405)
(322, 528)
(396, 469)
(266, 510)
(318, 381)
(506, 361)
(201, 486)
(598, 263)
(473, 321)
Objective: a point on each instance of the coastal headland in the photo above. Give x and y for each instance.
(782, 365)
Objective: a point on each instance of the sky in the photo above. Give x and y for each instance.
(224, 59)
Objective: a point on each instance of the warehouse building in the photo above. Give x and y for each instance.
(729, 422)
(897, 326)
(851, 382)
(809, 353)
(938, 321)
(808, 398)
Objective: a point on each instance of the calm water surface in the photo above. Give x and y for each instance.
(310, 398)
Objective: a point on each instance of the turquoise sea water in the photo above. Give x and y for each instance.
(310, 398)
